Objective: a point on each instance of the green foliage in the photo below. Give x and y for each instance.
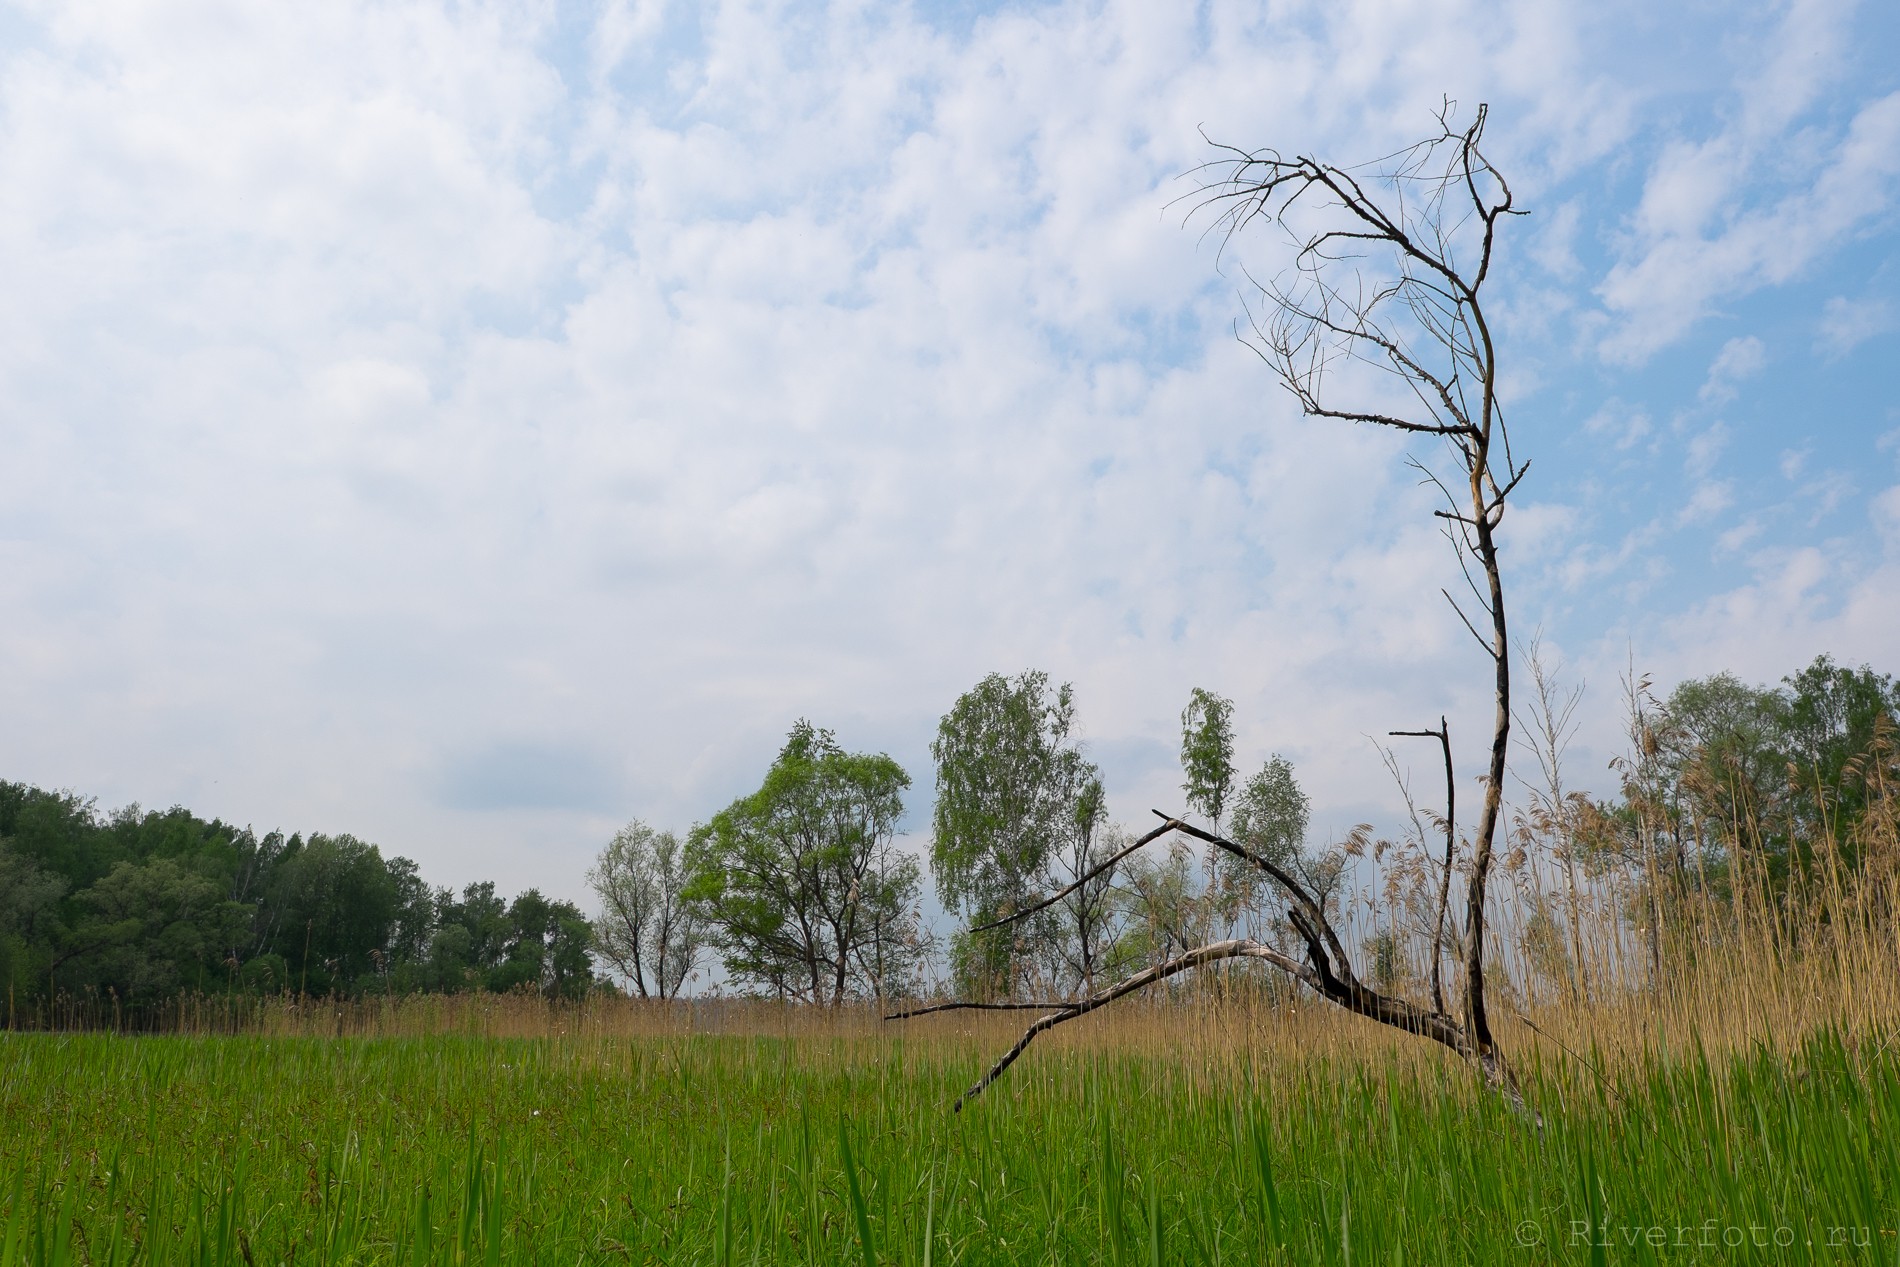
(483, 942)
(1207, 753)
(743, 1149)
(133, 907)
(149, 929)
(804, 892)
(1000, 753)
(1827, 733)
(1385, 954)
(1778, 772)
(647, 930)
(1272, 814)
(1165, 905)
(1270, 818)
(1017, 806)
(328, 903)
(543, 948)
(1544, 947)
(31, 923)
(1086, 919)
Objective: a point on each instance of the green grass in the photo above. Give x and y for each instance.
(759, 1150)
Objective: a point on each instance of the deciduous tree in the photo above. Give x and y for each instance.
(1207, 753)
(1018, 805)
(646, 928)
(801, 884)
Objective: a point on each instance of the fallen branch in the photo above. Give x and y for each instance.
(972, 1007)
(1199, 957)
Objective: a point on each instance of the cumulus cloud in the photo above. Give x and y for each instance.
(1763, 199)
(1618, 423)
(1848, 323)
(1739, 360)
(430, 424)
(1708, 500)
(1797, 604)
(1705, 447)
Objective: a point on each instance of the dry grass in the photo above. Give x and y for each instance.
(1757, 971)
(1724, 993)
(1219, 1123)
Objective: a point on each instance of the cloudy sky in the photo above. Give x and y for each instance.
(471, 426)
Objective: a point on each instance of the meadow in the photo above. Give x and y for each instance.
(1189, 1129)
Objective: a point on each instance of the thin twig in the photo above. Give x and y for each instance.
(1092, 873)
(1237, 948)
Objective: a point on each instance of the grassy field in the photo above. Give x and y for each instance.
(1158, 1136)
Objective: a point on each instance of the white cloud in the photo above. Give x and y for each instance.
(1738, 537)
(1739, 360)
(1800, 603)
(1886, 517)
(1589, 564)
(1705, 447)
(1556, 242)
(1709, 499)
(1759, 202)
(1828, 492)
(1848, 323)
(1616, 422)
(421, 438)
(1542, 530)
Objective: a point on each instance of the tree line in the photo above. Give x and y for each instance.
(797, 888)
(801, 892)
(1779, 800)
(138, 905)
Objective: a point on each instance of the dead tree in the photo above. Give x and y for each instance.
(1379, 321)
(1443, 736)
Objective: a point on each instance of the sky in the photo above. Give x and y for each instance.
(472, 426)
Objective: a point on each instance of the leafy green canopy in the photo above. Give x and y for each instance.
(1008, 780)
(1272, 814)
(135, 906)
(1207, 752)
(1769, 770)
(1018, 812)
(805, 894)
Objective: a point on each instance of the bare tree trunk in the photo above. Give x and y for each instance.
(1443, 735)
(1416, 241)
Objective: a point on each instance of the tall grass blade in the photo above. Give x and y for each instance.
(16, 1222)
(1154, 1225)
(858, 1209)
(930, 1219)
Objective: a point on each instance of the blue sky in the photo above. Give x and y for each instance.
(472, 426)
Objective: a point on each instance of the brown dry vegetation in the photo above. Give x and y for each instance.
(1580, 984)
(1727, 989)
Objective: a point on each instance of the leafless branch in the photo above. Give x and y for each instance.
(1467, 621)
(1412, 216)
(1099, 869)
(961, 1006)
(1498, 499)
(1196, 958)
(1387, 265)
(1443, 736)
